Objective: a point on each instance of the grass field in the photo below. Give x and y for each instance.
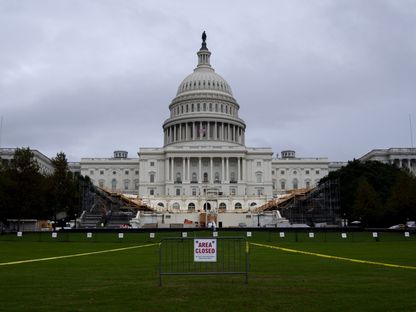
(127, 279)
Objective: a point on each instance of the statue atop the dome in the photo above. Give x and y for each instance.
(204, 36)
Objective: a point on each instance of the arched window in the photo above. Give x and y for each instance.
(136, 184)
(253, 204)
(101, 183)
(238, 206)
(295, 184)
(307, 183)
(126, 184)
(223, 206)
(191, 207)
(175, 206)
(259, 177)
(160, 204)
(152, 177)
(113, 184)
(205, 176)
(194, 179)
(217, 177)
(282, 184)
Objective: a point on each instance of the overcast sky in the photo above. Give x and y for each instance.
(325, 78)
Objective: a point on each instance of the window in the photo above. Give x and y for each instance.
(175, 206)
(152, 164)
(282, 185)
(259, 164)
(152, 177)
(151, 192)
(101, 183)
(306, 171)
(259, 192)
(194, 192)
(253, 204)
(295, 184)
(282, 172)
(178, 192)
(136, 172)
(191, 207)
(205, 176)
(91, 172)
(114, 172)
(272, 171)
(317, 171)
(194, 179)
(232, 177)
(259, 177)
(178, 178)
(126, 184)
(233, 191)
(136, 184)
(295, 172)
(223, 206)
(126, 172)
(101, 172)
(160, 204)
(113, 184)
(308, 184)
(217, 177)
(238, 206)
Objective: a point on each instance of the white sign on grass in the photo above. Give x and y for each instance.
(282, 234)
(54, 235)
(311, 235)
(152, 235)
(248, 234)
(19, 234)
(184, 234)
(344, 235)
(120, 235)
(205, 250)
(406, 234)
(375, 234)
(89, 235)
(214, 234)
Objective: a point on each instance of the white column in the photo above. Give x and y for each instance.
(238, 169)
(172, 178)
(243, 170)
(189, 169)
(215, 130)
(193, 131)
(186, 132)
(199, 169)
(227, 174)
(167, 168)
(222, 170)
(180, 132)
(211, 180)
(208, 130)
(183, 169)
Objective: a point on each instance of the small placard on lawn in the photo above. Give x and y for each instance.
(344, 235)
(214, 234)
(311, 235)
(248, 234)
(375, 234)
(89, 235)
(184, 234)
(205, 250)
(282, 234)
(152, 235)
(19, 234)
(54, 235)
(406, 234)
(120, 235)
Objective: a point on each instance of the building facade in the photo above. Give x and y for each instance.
(401, 157)
(204, 163)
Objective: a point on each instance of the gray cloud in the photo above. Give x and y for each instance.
(327, 78)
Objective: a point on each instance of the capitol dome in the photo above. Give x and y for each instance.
(204, 108)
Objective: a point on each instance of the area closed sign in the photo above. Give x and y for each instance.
(205, 250)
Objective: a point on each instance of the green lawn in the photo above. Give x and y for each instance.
(127, 280)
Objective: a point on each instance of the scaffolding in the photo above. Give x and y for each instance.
(319, 205)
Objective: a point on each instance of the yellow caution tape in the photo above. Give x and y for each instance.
(75, 255)
(336, 257)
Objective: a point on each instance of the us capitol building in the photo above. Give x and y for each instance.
(204, 163)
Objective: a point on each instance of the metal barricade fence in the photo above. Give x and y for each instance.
(204, 256)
